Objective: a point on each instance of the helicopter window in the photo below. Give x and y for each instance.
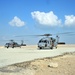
(40, 41)
(45, 41)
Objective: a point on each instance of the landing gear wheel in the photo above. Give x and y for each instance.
(51, 48)
(40, 47)
(7, 47)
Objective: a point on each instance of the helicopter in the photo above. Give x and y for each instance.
(50, 42)
(47, 42)
(12, 44)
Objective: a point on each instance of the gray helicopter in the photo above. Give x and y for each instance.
(12, 44)
(47, 42)
(50, 42)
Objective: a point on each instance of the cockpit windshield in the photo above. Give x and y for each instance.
(43, 41)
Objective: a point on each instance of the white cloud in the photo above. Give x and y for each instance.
(17, 22)
(69, 20)
(48, 19)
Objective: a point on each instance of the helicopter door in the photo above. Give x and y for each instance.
(48, 45)
(45, 42)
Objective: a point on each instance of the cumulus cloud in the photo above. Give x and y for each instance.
(17, 22)
(48, 19)
(70, 20)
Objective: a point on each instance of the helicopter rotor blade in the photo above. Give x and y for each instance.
(34, 35)
(45, 35)
(65, 33)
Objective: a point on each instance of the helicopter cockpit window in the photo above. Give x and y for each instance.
(40, 41)
(44, 41)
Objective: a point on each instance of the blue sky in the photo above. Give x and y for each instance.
(33, 17)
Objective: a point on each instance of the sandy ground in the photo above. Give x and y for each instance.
(60, 65)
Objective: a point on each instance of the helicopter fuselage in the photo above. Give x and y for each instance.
(47, 42)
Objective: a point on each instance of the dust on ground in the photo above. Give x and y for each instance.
(60, 65)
